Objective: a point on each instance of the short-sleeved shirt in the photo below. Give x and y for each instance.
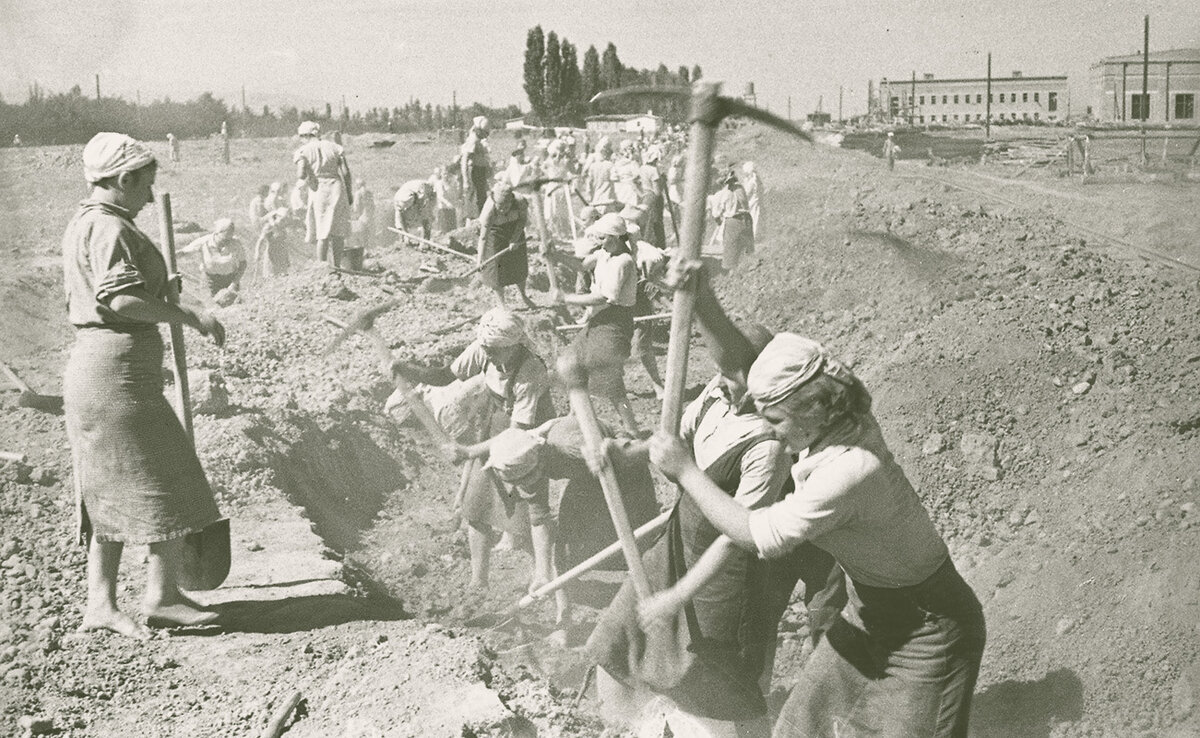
(615, 278)
(105, 254)
(323, 158)
(599, 181)
(726, 203)
(530, 387)
(713, 426)
(219, 259)
(853, 500)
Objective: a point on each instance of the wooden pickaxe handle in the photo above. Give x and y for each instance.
(431, 244)
(488, 261)
(581, 406)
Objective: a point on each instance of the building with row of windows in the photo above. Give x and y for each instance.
(1172, 86)
(1017, 98)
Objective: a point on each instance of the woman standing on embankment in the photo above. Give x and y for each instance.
(137, 478)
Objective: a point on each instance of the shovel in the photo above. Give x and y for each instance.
(29, 398)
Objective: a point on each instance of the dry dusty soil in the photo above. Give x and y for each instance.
(1039, 384)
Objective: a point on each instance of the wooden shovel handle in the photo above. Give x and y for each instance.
(183, 404)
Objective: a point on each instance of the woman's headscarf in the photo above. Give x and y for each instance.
(787, 363)
(499, 328)
(109, 154)
(515, 453)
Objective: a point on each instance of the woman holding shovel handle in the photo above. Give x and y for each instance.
(137, 477)
(903, 656)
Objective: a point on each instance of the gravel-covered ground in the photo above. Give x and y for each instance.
(1038, 385)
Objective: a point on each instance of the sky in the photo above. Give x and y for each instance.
(383, 53)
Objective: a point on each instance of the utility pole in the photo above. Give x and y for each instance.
(912, 97)
(840, 105)
(1145, 111)
(244, 108)
(789, 107)
(987, 117)
(97, 87)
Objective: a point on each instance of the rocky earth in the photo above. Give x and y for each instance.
(1037, 384)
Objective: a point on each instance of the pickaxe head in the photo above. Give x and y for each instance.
(709, 107)
(533, 184)
(364, 322)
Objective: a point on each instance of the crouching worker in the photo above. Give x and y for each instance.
(527, 461)
(518, 385)
(223, 260)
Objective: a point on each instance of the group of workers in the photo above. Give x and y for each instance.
(782, 473)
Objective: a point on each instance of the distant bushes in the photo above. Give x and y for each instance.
(72, 117)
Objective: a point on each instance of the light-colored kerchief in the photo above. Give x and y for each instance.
(786, 363)
(515, 453)
(499, 328)
(109, 154)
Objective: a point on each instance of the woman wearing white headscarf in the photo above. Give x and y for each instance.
(903, 656)
(137, 478)
(519, 384)
(475, 160)
(321, 168)
(502, 226)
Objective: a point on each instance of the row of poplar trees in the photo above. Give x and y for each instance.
(559, 87)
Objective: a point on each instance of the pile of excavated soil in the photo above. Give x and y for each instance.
(1039, 392)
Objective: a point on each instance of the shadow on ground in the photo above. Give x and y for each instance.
(1027, 709)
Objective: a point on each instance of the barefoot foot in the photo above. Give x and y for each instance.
(179, 614)
(115, 621)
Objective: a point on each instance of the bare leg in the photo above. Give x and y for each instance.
(323, 249)
(101, 613)
(479, 540)
(165, 605)
(645, 349)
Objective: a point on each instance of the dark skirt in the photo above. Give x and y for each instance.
(729, 627)
(513, 267)
(897, 662)
(137, 477)
(603, 346)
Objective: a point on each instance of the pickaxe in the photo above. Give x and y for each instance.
(426, 242)
(364, 323)
(708, 109)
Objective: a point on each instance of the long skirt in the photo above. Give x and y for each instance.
(603, 346)
(558, 212)
(896, 662)
(737, 239)
(513, 267)
(137, 478)
(328, 210)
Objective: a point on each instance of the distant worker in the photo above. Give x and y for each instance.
(275, 197)
(445, 195)
(258, 208)
(16, 139)
(675, 184)
(653, 187)
(735, 228)
(626, 174)
(598, 182)
(271, 256)
(362, 224)
(173, 147)
(414, 203)
(321, 166)
(502, 226)
(222, 259)
(476, 163)
(225, 142)
(752, 183)
(890, 150)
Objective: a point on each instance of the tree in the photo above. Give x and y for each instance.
(535, 52)
(696, 72)
(552, 80)
(590, 73)
(610, 68)
(572, 85)
(683, 75)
